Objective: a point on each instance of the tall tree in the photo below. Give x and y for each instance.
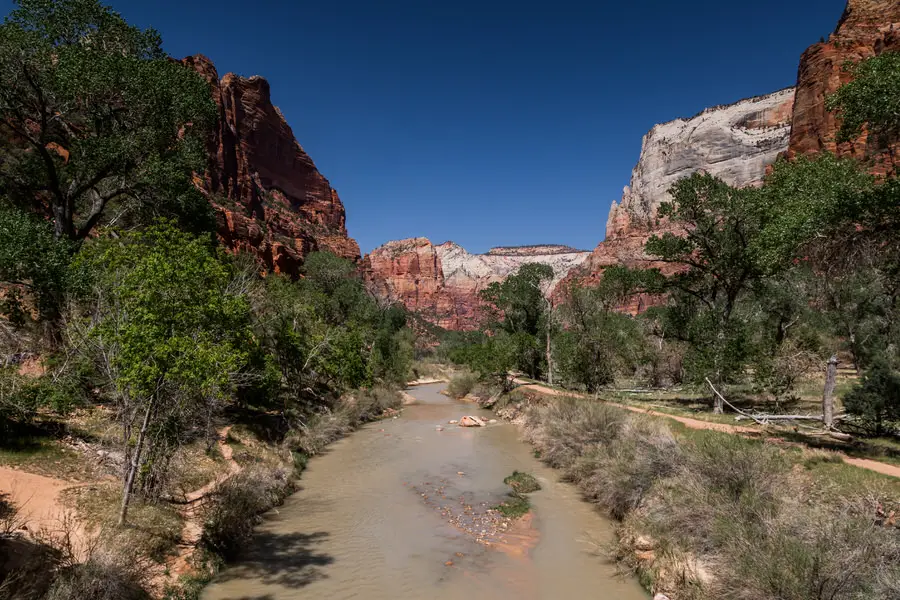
(168, 332)
(717, 226)
(96, 123)
(524, 314)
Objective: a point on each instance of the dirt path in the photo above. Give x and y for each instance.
(863, 463)
(41, 510)
(192, 530)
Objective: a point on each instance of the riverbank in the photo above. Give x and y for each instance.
(59, 501)
(706, 514)
(404, 509)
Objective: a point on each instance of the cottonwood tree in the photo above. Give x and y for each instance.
(168, 333)
(97, 125)
(716, 224)
(524, 314)
(598, 341)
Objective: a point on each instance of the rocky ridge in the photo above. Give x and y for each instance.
(269, 197)
(442, 282)
(866, 29)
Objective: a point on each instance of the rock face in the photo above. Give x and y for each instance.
(442, 281)
(269, 197)
(736, 142)
(867, 28)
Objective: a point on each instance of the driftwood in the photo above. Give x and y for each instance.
(732, 406)
(765, 419)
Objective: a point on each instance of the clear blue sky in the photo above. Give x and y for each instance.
(493, 122)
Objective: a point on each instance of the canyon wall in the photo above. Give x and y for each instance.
(269, 197)
(442, 282)
(736, 143)
(867, 28)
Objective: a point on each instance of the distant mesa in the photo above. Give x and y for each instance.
(442, 282)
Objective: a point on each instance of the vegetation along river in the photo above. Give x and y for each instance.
(401, 510)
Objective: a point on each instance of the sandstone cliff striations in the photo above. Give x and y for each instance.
(442, 282)
(269, 197)
(736, 142)
(867, 28)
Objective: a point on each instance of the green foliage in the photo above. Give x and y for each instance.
(876, 398)
(514, 506)
(324, 335)
(871, 99)
(162, 299)
(32, 260)
(522, 483)
(803, 199)
(99, 120)
(598, 342)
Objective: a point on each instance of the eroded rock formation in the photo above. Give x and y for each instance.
(269, 197)
(442, 281)
(867, 28)
(736, 142)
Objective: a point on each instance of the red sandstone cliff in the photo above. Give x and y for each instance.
(442, 282)
(867, 28)
(269, 197)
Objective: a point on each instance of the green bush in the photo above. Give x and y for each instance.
(522, 483)
(876, 399)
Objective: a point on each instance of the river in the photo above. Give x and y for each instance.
(400, 510)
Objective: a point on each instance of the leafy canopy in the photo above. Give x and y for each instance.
(871, 99)
(97, 124)
(163, 309)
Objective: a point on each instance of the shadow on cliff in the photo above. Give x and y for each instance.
(284, 559)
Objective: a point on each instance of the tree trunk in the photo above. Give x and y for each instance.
(135, 461)
(549, 359)
(828, 395)
(718, 405)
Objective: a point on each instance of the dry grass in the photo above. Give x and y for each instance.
(727, 517)
(462, 384)
(236, 505)
(154, 528)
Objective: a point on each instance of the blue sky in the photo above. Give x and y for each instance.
(493, 122)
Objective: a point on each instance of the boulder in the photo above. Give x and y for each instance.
(471, 421)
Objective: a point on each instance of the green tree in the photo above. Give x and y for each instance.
(168, 332)
(598, 341)
(871, 99)
(523, 311)
(96, 123)
(33, 264)
(716, 226)
(876, 399)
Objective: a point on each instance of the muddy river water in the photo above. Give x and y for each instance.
(401, 510)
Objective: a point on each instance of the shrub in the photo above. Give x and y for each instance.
(522, 483)
(235, 507)
(514, 507)
(373, 402)
(876, 399)
(104, 577)
(321, 429)
(808, 554)
(462, 384)
(571, 426)
(620, 476)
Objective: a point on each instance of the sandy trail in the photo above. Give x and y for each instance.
(863, 463)
(41, 510)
